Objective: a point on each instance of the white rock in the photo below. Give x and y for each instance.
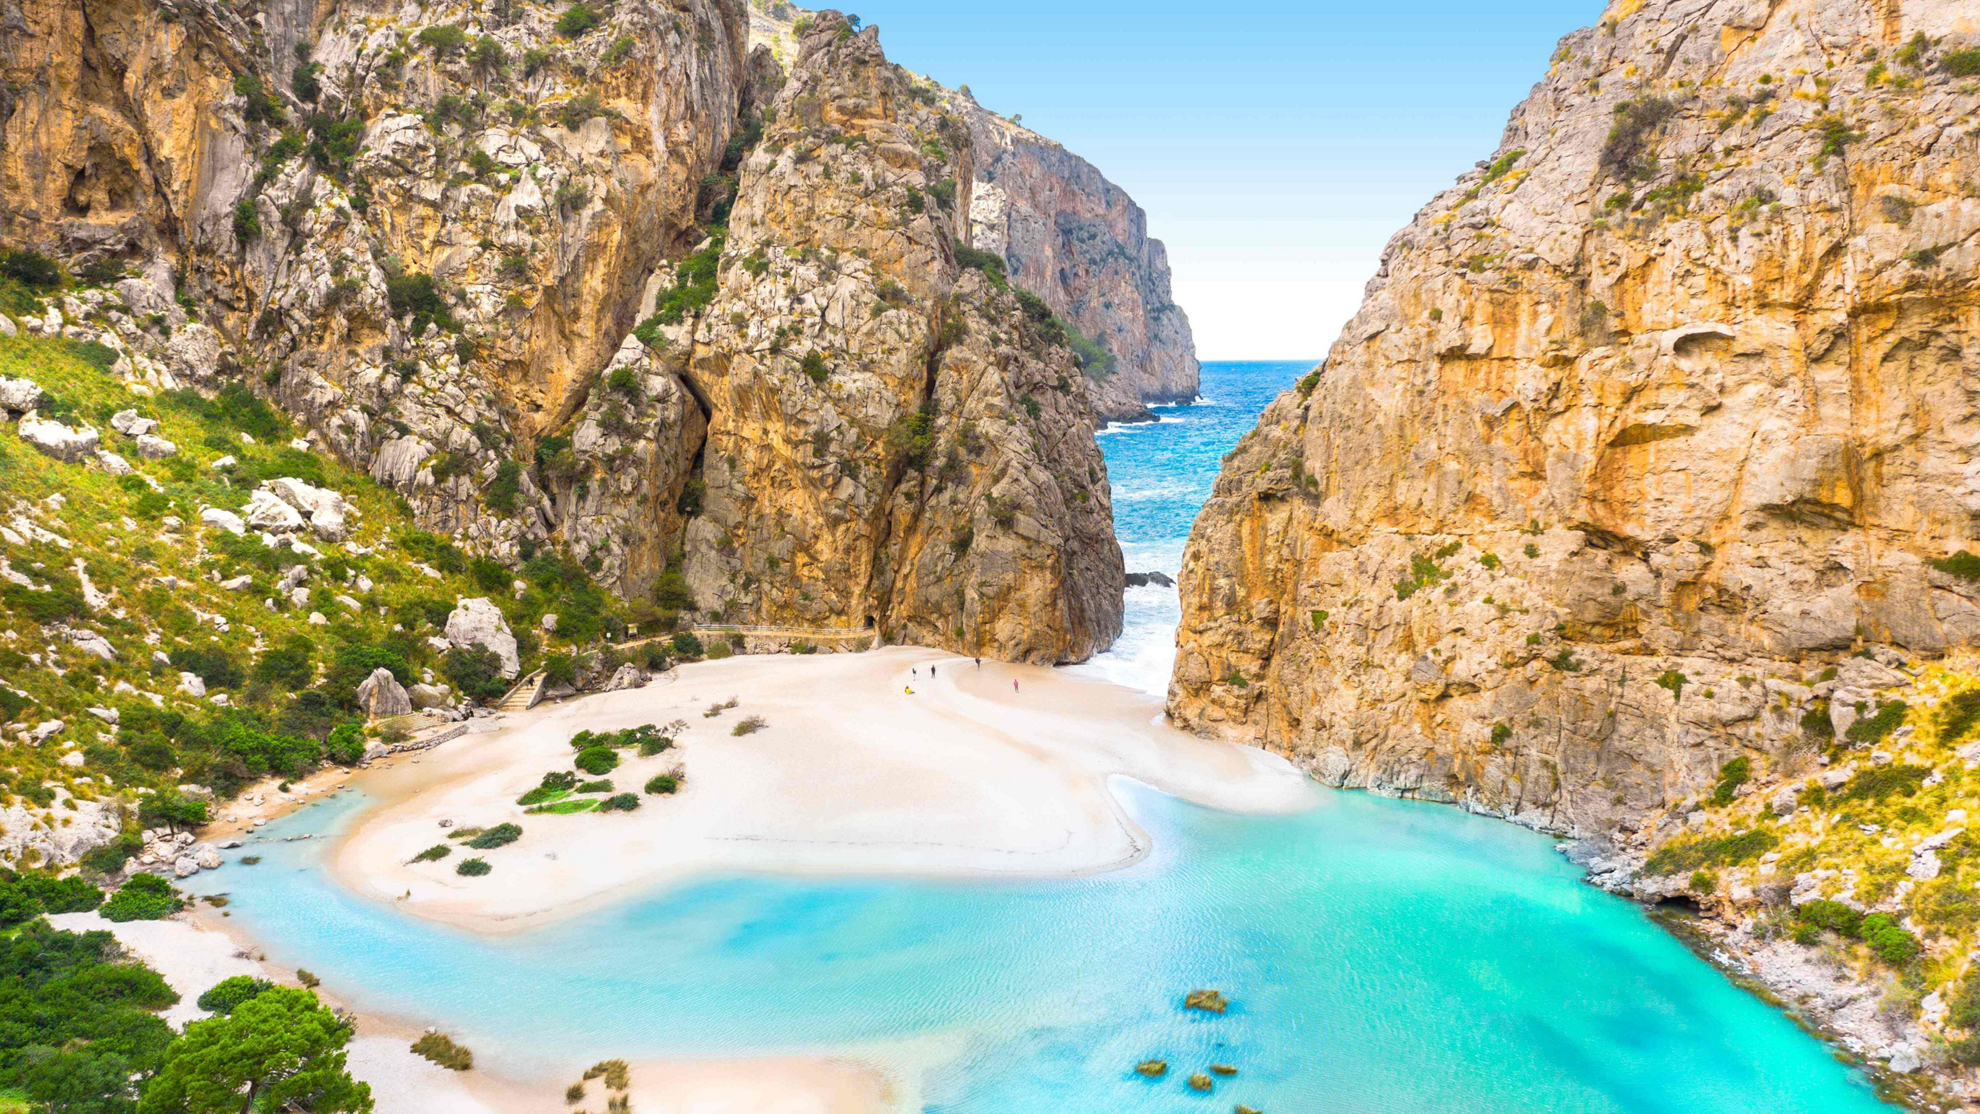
(477, 622)
(190, 684)
(227, 461)
(112, 463)
(45, 730)
(381, 695)
(19, 395)
(431, 696)
(107, 715)
(153, 447)
(131, 424)
(549, 621)
(237, 583)
(73, 759)
(225, 520)
(57, 440)
(265, 511)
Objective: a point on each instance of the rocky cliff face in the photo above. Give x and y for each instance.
(891, 440)
(1067, 235)
(1659, 411)
(429, 234)
(1080, 242)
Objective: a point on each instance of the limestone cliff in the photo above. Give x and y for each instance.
(1080, 242)
(429, 234)
(891, 439)
(1660, 410)
(1067, 235)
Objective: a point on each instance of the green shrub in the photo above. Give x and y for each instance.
(501, 835)
(475, 671)
(576, 20)
(1730, 850)
(30, 268)
(441, 1049)
(602, 785)
(227, 994)
(171, 808)
(1732, 775)
(473, 868)
(597, 760)
(1881, 782)
(1628, 142)
(1831, 915)
(146, 897)
(502, 491)
(662, 784)
(624, 802)
(1961, 63)
(1961, 711)
(345, 745)
(554, 785)
(1872, 729)
(687, 645)
(1888, 939)
(433, 854)
(991, 264)
(443, 39)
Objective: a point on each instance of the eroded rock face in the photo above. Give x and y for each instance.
(1664, 406)
(1081, 243)
(889, 441)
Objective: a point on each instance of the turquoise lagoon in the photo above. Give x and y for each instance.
(1381, 956)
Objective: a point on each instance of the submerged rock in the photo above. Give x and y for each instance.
(1152, 1068)
(1210, 1001)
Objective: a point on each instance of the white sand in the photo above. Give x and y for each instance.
(853, 775)
(192, 957)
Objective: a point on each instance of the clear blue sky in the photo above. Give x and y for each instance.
(1276, 145)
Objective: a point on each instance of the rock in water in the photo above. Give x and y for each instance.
(1607, 416)
(381, 696)
(477, 622)
(1152, 1068)
(1210, 1001)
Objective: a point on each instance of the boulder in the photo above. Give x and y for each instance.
(326, 510)
(191, 685)
(19, 395)
(130, 424)
(153, 447)
(628, 676)
(225, 520)
(477, 622)
(549, 621)
(266, 512)
(431, 696)
(112, 463)
(381, 696)
(57, 440)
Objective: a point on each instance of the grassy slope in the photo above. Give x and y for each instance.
(118, 527)
(1864, 830)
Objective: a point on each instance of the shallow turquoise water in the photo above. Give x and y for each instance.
(1382, 956)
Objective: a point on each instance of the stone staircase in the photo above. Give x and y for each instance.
(524, 696)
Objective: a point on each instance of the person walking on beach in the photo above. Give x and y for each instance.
(979, 663)
(931, 672)
(1013, 684)
(907, 689)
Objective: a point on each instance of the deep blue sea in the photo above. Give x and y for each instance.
(1161, 474)
(1382, 957)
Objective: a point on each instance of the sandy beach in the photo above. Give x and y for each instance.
(867, 765)
(900, 761)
